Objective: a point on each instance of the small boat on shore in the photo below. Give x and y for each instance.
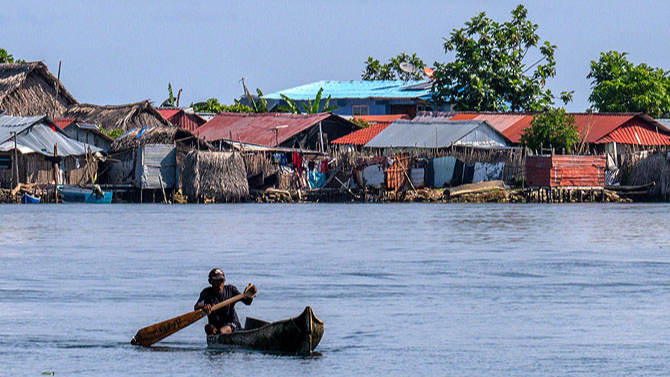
(30, 199)
(299, 335)
(72, 194)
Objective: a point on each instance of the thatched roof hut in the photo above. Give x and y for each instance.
(124, 117)
(29, 89)
(157, 135)
(221, 176)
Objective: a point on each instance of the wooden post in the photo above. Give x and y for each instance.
(16, 163)
(57, 90)
(160, 180)
(321, 136)
(55, 172)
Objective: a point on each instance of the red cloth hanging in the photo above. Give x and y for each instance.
(297, 161)
(324, 166)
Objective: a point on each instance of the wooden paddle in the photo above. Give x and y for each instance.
(151, 334)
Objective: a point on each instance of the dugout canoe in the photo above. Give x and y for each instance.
(299, 335)
(72, 194)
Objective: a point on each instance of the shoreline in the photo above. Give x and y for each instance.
(494, 194)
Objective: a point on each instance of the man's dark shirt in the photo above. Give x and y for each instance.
(225, 315)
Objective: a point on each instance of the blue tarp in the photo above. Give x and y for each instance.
(316, 179)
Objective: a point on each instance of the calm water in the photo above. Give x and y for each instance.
(411, 289)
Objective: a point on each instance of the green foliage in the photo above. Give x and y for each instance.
(489, 70)
(361, 122)
(553, 128)
(114, 133)
(260, 106)
(171, 101)
(374, 70)
(212, 105)
(6, 57)
(310, 107)
(620, 86)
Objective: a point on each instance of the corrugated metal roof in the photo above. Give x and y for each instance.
(393, 89)
(179, 117)
(637, 132)
(62, 123)
(595, 127)
(664, 122)
(36, 135)
(381, 118)
(361, 137)
(437, 134)
(258, 128)
(168, 113)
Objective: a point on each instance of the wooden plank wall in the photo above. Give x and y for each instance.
(35, 169)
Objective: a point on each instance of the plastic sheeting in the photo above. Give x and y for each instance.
(444, 170)
(488, 172)
(316, 179)
(417, 176)
(373, 175)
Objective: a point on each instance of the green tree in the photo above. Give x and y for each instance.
(374, 70)
(114, 133)
(171, 101)
(360, 122)
(490, 72)
(213, 105)
(310, 107)
(620, 86)
(553, 128)
(6, 57)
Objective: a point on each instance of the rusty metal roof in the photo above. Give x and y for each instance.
(259, 128)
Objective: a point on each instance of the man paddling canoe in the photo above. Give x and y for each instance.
(224, 320)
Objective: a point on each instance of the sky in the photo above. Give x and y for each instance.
(116, 52)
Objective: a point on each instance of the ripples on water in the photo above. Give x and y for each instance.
(403, 289)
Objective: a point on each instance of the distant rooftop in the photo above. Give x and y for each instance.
(390, 89)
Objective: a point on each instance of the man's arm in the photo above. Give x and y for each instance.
(201, 304)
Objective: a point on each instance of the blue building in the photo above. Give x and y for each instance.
(353, 98)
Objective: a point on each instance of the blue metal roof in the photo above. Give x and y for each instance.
(391, 89)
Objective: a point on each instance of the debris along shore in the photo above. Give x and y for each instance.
(484, 192)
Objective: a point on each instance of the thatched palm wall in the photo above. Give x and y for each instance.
(124, 117)
(655, 168)
(29, 89)
(214, 175)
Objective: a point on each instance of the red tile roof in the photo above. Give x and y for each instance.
(64, 122)
(258, 129)
(361, 137)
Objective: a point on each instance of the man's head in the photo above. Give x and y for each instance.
(217, 278)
